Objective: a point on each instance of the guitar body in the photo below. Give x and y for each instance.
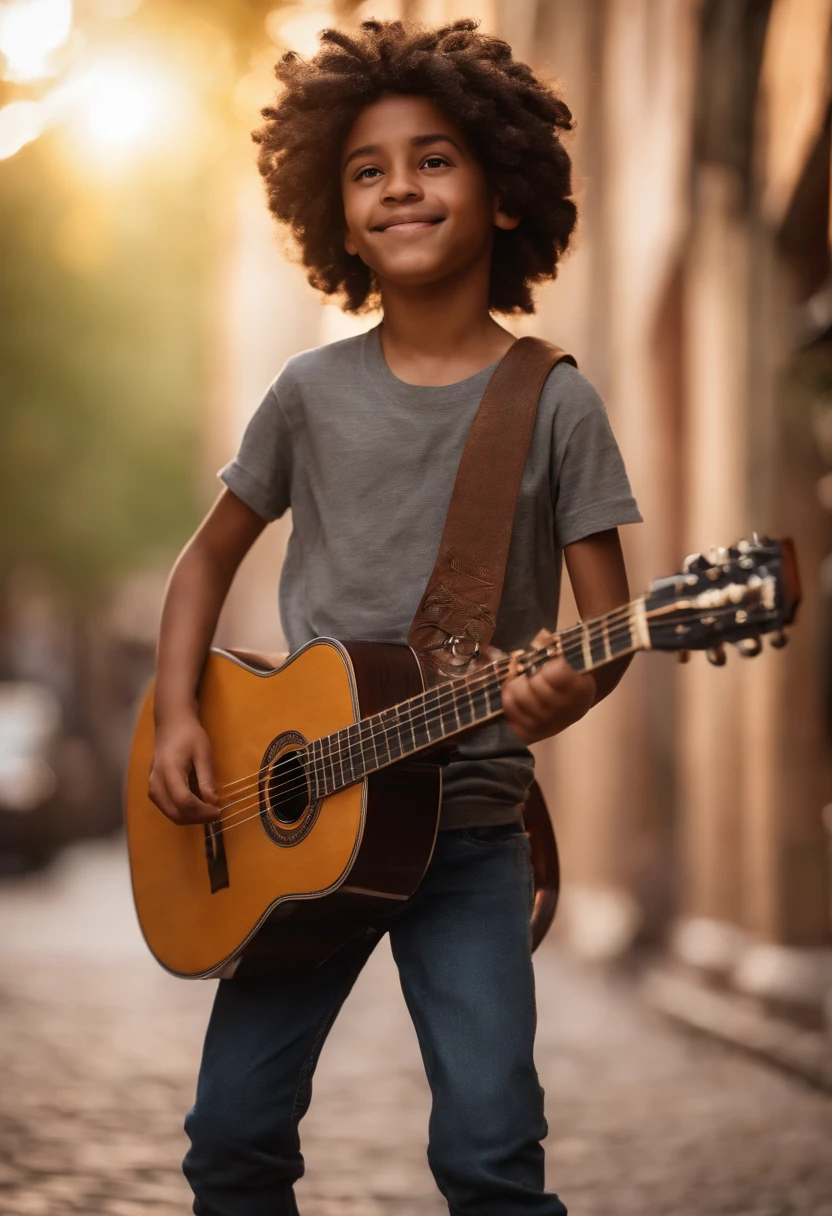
(329, 801)
(285, 882)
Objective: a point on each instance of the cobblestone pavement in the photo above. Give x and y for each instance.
(99, 1048)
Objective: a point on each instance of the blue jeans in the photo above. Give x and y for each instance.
(463, 950)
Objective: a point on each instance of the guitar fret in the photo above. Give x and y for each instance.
(350, 751)
(332, 762)
(597, 649)
(572, 650)
(420, 728)
(362, 726)
(340, 758)
(621, 641)
(463, 708)
(392, 734)
(605, 634)
(410, 723)
(639, 626)
(585, 647)
(631, 637)
(372, 734)
(445, 708)
(380, 741)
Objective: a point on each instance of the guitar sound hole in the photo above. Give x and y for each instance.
(287, 792)
(287, 811)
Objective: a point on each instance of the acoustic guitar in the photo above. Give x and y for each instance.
(328, 778)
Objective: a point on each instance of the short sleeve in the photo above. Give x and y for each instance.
(260, 473)
(591, 490)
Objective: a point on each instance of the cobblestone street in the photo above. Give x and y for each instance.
(99, 1050)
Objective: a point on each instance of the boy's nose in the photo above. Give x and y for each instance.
(401, 186)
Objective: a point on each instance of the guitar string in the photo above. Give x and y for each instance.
(416, 719)
(612, 619)
(582, 628)
(446, 699)
(236, 822)
(352, 753)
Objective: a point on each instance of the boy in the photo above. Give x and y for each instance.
(422, 171)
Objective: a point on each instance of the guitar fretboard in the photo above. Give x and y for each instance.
(347, 756)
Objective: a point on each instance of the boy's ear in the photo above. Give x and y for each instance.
(502, 219)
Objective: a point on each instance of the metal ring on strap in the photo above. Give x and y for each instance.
(456, 640)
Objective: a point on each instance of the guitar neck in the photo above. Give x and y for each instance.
(445, 710)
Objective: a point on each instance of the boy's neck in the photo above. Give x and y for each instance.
(441, 333)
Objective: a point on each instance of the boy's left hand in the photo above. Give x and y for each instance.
(539, 706)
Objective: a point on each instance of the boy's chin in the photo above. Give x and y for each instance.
(413, 278)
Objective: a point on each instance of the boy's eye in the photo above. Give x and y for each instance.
(364, 172)
(434, 162)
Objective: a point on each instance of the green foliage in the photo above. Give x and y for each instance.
(103, 368)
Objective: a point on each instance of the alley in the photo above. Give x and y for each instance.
(99, 1049)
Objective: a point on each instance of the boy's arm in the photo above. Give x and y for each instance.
(194, 598)
(544, 704)
(599, 583)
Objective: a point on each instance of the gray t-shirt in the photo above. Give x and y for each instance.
(367, 464)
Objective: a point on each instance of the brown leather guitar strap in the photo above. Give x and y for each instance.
(457, 614)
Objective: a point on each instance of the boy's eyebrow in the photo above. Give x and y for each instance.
(418, 141)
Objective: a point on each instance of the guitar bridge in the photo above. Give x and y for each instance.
(215, 856)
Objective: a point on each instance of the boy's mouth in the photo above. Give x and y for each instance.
(408, 223)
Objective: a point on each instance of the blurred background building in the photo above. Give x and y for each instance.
(148, 303)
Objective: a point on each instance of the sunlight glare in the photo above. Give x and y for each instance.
(296, 27)
(30, 30)
(20, 123)
(121, 103)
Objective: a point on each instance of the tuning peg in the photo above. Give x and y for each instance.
(696, 561)
(716, 654)
(718, 556)
(749, 647)
(682, 656)
(778, 640)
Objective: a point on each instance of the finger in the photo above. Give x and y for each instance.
(204, 768)
(564, 686)
(525, 727)
(528, 699)
(192, 808)
(160, 798)
(525, 713)
(556, 675)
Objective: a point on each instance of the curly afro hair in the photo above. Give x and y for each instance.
(511, 120)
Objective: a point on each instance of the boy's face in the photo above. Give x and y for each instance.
(417, 205)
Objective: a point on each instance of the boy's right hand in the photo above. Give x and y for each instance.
(182, 748)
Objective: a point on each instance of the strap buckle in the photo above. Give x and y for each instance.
(457, 639)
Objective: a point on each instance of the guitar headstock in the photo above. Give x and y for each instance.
(733, 595)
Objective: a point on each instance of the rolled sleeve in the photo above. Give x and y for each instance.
(261, 472)
(592, 491)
